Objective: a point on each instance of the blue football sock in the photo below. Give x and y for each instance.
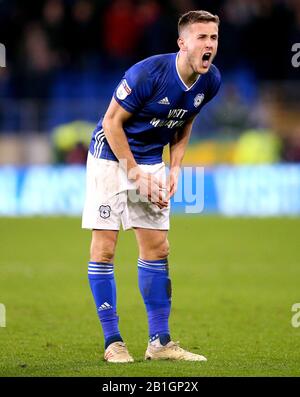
(103, 286)
(155, 287)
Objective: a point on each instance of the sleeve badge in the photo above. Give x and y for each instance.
(123, 90)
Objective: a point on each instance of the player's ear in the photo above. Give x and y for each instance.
(181, 44)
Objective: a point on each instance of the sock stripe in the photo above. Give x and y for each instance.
(154, 269)
(106, 273)
(162, 266)
(156, 262)
(99, 264)
(92, 271)
(152, 264)
(101, 267)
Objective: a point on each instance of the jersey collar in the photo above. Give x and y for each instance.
(179, 79)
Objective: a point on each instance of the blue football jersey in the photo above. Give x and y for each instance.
(160, 103)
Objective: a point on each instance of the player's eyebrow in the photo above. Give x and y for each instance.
(202, 35)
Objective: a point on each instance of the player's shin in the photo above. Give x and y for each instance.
(155, 287)
(102, 283)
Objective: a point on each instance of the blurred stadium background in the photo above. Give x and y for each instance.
(64, 58)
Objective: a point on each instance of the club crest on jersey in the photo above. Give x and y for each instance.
(198, 100)
(104, 211)
(123, 90)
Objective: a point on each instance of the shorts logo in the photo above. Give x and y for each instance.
(104, 211)
(198, 100)
(123, 90)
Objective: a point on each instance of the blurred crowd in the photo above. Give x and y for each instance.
(50, 36)
(63, 52)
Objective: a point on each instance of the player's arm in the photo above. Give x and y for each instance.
(112, 124)
(177, 149)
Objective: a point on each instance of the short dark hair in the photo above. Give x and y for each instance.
(196, 16)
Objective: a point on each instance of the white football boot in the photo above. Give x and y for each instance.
(117, 353)
(171, 351)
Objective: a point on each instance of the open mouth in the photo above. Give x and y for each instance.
(206, 58)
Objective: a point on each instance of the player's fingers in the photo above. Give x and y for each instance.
(161, 183)
(163, 195)
(155, 201)
(163, 202)
(154, 192)
(170, 192)
(161, 205)
(174, 189)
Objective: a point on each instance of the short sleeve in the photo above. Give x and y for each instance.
(134, 89)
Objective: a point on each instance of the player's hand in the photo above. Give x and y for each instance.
(152, 188)
(172, 182)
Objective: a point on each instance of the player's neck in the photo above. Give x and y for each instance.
(187, 75)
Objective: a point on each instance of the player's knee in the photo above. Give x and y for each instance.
(163, 250)
(102, 252)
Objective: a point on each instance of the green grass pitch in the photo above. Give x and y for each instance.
(234, 283)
